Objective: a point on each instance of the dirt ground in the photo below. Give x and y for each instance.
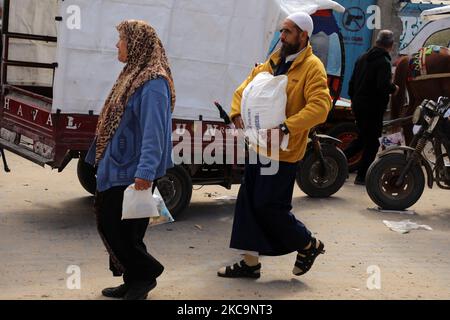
(47, 224)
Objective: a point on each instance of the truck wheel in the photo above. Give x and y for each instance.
(176, 189)
(87, 176)
(313, 182)
(347, 132)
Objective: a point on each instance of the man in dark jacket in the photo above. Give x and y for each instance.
(370, 87)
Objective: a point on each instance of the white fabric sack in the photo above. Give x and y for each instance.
(138, 204)
(263, 107)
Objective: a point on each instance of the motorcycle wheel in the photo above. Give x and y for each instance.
(310, 179)
(381, 179)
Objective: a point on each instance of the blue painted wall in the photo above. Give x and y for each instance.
(357, 36)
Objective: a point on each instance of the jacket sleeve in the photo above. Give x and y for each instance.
(318, 102)
(384, 79)
(237, 97)
(153, 119)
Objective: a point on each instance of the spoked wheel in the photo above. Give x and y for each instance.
(382, 178)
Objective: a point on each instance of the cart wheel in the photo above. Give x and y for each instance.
(347, 132)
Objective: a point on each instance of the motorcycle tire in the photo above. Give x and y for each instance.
(309, 178)
(381, 179)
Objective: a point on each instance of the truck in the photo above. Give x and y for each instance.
(59, 63)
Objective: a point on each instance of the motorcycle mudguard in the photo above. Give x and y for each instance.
(328, 139)
(424, 161)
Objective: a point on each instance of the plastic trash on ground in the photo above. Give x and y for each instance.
(405, 226)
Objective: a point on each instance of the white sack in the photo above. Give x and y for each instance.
(263, 106)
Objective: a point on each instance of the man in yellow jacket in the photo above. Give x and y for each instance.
(263, 223)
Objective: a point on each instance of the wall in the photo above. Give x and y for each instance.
(357, 35)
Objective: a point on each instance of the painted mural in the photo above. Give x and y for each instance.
(418, 33)
(357, 29)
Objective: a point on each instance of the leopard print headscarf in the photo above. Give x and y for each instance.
(147, 60)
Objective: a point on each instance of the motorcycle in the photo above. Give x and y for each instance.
(396, 181)
(324, 168)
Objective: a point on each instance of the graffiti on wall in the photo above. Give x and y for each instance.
(416, 32)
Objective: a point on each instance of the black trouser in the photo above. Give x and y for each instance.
(124, 239)
(263, 220)
(370, 127)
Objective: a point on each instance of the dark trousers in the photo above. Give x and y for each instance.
(370, 127)
(263, 221)
(124, 239)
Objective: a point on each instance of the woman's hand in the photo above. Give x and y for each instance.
(142, 185)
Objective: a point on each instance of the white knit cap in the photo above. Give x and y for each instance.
(303, 21)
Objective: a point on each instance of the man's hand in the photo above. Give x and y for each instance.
(238, 123)
(142, 185)
(272, 133)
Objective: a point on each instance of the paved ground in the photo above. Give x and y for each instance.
(47, 224)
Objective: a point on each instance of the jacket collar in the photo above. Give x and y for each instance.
(275, 58)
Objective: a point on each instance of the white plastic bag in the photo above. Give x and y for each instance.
(405, 226)
(164, 213)
(138, 204)
(263, 107)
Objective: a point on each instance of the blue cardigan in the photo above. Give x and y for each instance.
(142, 145)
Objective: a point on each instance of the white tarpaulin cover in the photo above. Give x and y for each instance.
(38, 18)
(212, 45)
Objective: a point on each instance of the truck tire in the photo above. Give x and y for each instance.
(308, 176)
(347, 132)
(176, 189)
(87, 176)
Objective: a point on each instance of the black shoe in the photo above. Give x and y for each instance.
(139, 290)
(241, 270)
(116, 292)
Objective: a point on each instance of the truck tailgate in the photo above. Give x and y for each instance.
(26, 126)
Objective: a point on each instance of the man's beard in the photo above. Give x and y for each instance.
(289, 49)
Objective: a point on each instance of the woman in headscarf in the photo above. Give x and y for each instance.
(133, 145)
